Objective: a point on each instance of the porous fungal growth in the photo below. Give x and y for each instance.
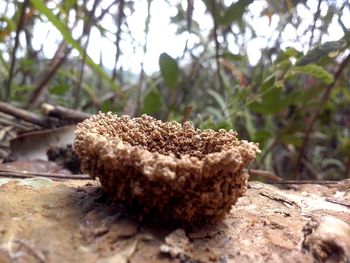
(166, 170)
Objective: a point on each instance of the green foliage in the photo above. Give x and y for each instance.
(330, 49)
(152, 102)
(59, 90)
(169, 70)
(314, 71)
(234, 12)
(268, 99)
(272, 102)
(69, 4)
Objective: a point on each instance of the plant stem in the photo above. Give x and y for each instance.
(118, 37)
(317, 15)
(142, 71)
(217, 47)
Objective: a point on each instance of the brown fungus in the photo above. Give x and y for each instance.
(165, 170)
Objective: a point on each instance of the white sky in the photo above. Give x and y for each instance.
(162, 35)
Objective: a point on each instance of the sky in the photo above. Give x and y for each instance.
(162, 34)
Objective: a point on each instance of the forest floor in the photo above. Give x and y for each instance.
(42, 220)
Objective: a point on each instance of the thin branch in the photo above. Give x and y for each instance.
(310, 168)
(142, 72)
(57, 176)
(105, 11)
(37, 254)
(340, 21)
(99, 78)
(20, 26)
(118, 37)
(316, 16)
(189, 14)
(315, 115)
(269, 148)
(217, 46)
(59, 57)
(77, 91)
(303, 182)
(265, 174)
(339, 202)
(61, 53)
(187, 113)
(86, 32)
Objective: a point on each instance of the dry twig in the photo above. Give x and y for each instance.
(187, 114)
(64, 114)
(265, 174)
(23, 114)
(54, 176)
(303, 182)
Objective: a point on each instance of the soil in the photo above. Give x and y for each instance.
(74, 221)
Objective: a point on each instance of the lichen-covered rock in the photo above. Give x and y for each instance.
(165, 170)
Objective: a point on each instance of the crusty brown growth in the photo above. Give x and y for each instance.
(166, 170)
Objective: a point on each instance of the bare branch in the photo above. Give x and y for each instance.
(23, 114)
(20, 26)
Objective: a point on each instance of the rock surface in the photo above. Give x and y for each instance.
(74, 221)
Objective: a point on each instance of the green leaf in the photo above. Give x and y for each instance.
(284, 64)
(41, 6)
(169, 69)
(268, 83)
(106, 106)
(259, 108)
(180, 16)
(218, 98)
(214, 112)
(235, 12)
(232, 57)
(4, 64)
(152, 102)
(226, 125)
(249, 123)
(22, 88)
(59, 89)
(213, 7)
(68, 4)
(291, 139)
(328, 49)
(300, 97)
(314, 71)
(272, 102)
(8, 26)
(261, 136)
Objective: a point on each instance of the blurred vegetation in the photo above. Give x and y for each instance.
(294, 101)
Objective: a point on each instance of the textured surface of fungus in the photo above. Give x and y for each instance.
(165, 170)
